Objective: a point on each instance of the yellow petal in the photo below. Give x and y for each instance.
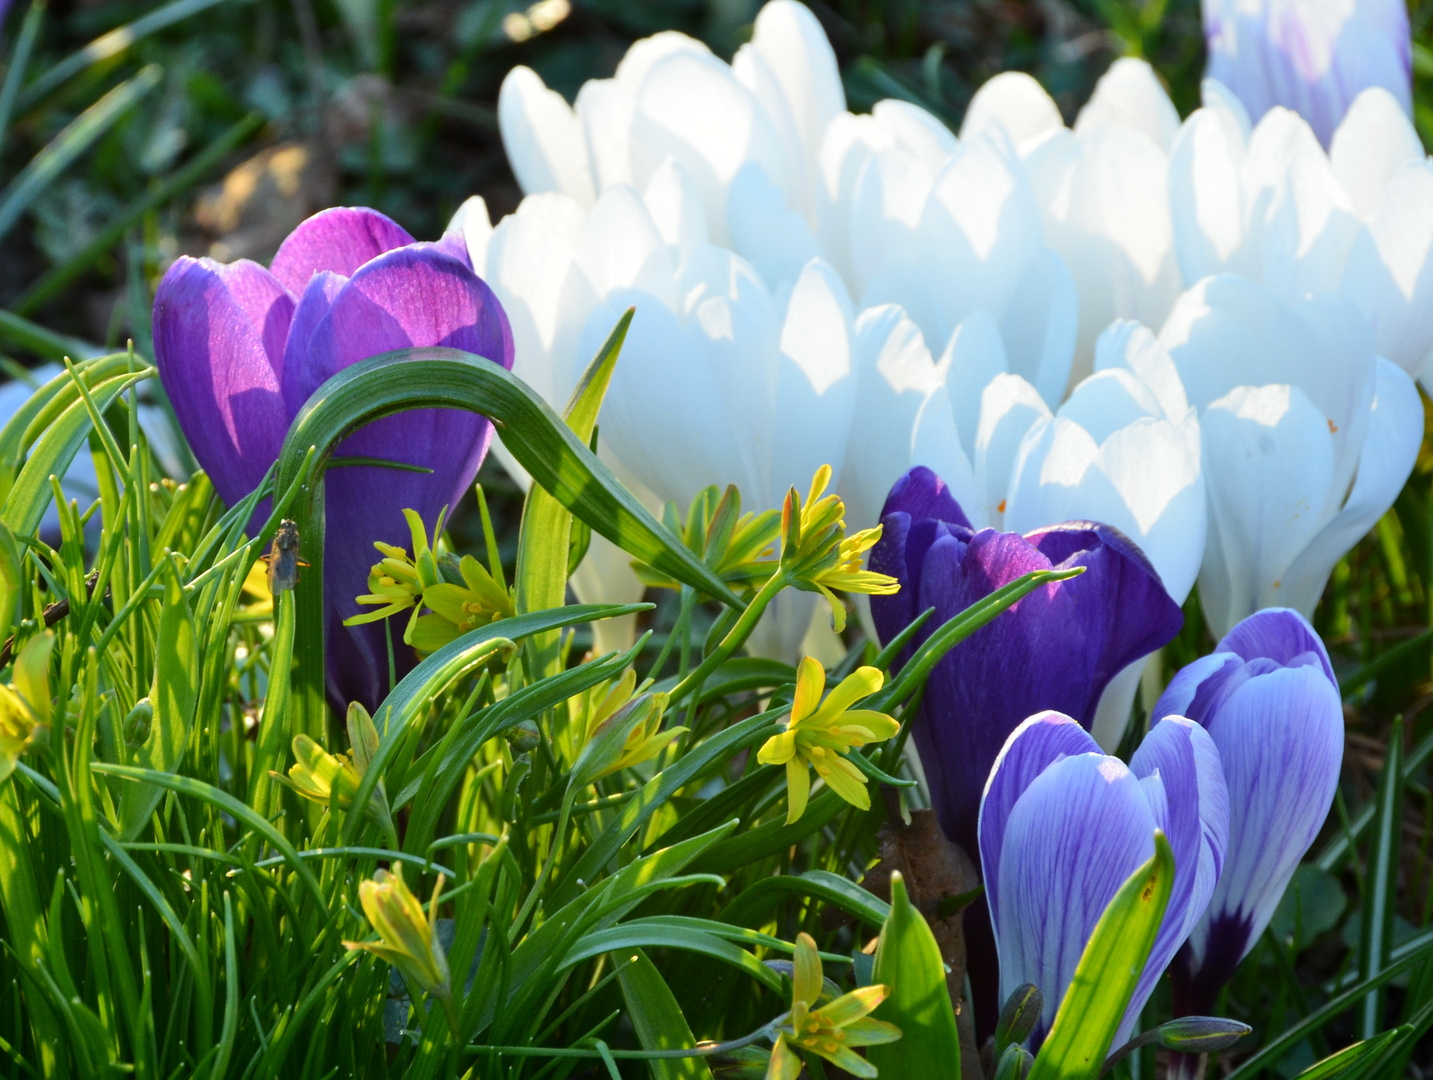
(810, 682)
(806, 974)
(778, 750)
(861, 683)
(32, 675)
(877, 726)
(784, 1064)
(848, 1008)
(848, 782)
(798, 788)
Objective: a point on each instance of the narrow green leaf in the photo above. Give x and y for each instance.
(840, 892)
(656, 1017)
(19, 63)
(1109, 968)
(74, 140)
(545, 446)
(11, 583)
(1376, 930)
(1351, 1061)
(908, 962)
(175, 690)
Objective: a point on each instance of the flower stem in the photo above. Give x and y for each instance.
(736, 637)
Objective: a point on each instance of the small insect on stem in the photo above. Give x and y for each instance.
(283, 558)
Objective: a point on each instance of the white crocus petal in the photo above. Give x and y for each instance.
(605, 107)
(676, 208)
(1015, 102)
(848, 143)
(792, 43)
(980, 229)
(1269, 452)
(1009, 408)
(1104, 197)
(1129, 95)
(531, 266)
(766, 232)
(693, 108)
(1375, 140)
(973, 357)
(1308, 56)
(543, 138)
(1206, 195)
(1389, 273)
(621, 248)
(1395, 433)
(903, 418)
(1128, 344)
(884, 218)
(1213, 94)
(916, 131)
(664, 417)
(816, 387)
(471, 219)
(1309, 231)
(1041, 325)
(752, 71)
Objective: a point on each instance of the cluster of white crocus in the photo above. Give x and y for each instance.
(1021, 308)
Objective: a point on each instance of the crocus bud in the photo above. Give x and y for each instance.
(137, 723)
(1018, 1016)
(1062, 827)
(1268, 698)
(1201, 1034)
(1014, 1064)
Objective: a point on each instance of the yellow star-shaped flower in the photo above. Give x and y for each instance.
(831, 1030)
(819, 733)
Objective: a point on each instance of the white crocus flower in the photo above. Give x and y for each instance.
(1311, 56)
(1308, 436)
(1101, 189)
(946, 228)
(719, 381)
(672, 99)
(1269, 204)
(1123, 450)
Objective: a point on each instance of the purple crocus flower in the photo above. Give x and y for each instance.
(1062, 827)
(240, 349)
(1269, 700)
(1056, 649)
(1312, 56)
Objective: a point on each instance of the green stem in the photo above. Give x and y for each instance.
(274, 723)
(736, 637)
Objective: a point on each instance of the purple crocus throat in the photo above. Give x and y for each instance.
(1056, 649)
(1268, 698)
(240, 349)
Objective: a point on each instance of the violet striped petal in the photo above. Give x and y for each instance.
(1078, 831)
(219, 333)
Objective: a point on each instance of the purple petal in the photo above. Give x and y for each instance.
(1032, 747)
(1280, 634)
(1195, 818)
(1078, 831)
(1055, 649)
(340, 240)
(1178, 697)
(418, 296)
(317, 298)
(921, 494)
(219, 333)
(1280, 739)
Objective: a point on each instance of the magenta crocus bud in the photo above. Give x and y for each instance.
(240, 349)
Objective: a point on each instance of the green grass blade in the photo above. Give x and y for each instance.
(19, 63)
(77, 137)
(656, 1017)
(1109, 968)
(1382, 882)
